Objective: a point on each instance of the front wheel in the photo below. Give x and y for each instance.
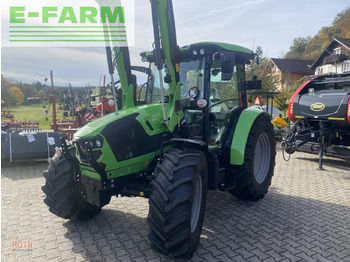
(177, 202)
(63, 195)
(253, 178)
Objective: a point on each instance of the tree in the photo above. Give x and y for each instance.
(30, 90)
(342, 21)
(282, 99)
(42, 94)
(261, 71)
(17, 94)
(5, 91)
(298, 48)
(312, 47)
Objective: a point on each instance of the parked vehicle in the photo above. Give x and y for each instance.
(320, 109)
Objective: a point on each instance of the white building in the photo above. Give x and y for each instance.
(334, 59)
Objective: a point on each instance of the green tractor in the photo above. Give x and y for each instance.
(187, 130)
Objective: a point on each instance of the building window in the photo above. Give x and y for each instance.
(345, 66)
(319, 70)
(337, 51)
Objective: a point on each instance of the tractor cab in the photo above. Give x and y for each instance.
(213, 86)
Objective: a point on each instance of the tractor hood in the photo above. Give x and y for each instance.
(120, 138)
(148, 117)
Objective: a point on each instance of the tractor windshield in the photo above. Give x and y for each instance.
(191, 75)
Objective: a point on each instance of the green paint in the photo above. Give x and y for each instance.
(33, 14)
(151, 113)
(15, 13)
(67, 35)
(122, 63)
(174, 88)
(88, 13)
(241, 134)
(43, 26)
(228, 47)
(111, 17)
(48, 11)
(67, 15)
(58, 40)
(67, 31)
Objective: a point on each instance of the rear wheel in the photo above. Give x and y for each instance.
(62, 192)
(253, 178)
(177, 203)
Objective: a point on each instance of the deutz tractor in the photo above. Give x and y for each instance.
(185, 131)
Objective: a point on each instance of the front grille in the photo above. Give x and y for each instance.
(82, 151)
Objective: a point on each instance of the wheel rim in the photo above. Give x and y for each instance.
(262, 158)
(196, 203)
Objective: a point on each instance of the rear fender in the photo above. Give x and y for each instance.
(241, 133)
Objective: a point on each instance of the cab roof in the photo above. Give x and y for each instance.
(186, 52)
(213, 47)
(219, 47)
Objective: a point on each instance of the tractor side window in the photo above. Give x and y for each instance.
(223, 91)
(223, 99)
(141, 93)
(144, 88)
(156, 97)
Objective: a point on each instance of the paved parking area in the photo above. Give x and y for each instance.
(304, 217)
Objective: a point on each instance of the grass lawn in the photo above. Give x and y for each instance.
(34, 112)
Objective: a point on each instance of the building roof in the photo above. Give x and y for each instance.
(342, 41)
(293, 65)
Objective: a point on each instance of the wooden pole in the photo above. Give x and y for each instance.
(103, 94)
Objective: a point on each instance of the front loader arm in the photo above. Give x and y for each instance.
(166, 51)
(127, 81)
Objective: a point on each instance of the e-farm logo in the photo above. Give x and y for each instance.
(94, 22)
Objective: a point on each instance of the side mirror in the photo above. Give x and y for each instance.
(167, 78)
(227, 61)
(254, 84)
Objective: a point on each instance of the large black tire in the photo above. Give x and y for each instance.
(177, 203)
(253, 178)
(62, 192)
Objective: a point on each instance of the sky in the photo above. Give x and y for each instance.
(271, 24)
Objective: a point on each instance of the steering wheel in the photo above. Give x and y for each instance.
(222, 101)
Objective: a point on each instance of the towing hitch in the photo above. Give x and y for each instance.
(303, 133)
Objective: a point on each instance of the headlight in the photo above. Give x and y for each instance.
(98, 143)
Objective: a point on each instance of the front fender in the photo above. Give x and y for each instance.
(241, 133)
